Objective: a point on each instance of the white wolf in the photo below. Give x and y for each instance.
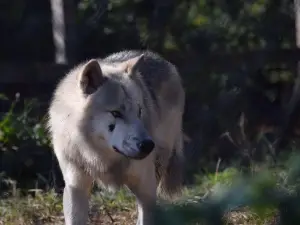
(118, 120)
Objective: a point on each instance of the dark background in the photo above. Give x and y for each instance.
(238, 61)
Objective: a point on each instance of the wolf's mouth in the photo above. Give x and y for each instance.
(137, 157)
(118, 151)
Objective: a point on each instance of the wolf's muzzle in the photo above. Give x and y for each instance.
(144, 148)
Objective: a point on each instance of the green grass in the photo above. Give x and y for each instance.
(119, 208)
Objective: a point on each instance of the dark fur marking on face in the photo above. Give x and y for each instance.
(139, 111)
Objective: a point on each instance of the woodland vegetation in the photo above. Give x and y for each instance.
(239, 64)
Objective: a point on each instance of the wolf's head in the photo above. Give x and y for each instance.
(113, 108)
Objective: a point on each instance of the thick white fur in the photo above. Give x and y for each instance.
(83, 144)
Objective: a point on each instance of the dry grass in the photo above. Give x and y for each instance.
(247, 217)
(46, 209)
(114, 209)
(119, 208)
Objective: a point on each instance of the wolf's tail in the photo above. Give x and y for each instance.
(171, 178)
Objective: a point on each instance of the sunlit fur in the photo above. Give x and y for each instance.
(92, 143)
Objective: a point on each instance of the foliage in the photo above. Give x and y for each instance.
(263, 193)
(227, 111)
(198, 26)
(17, 127)
(25, 146)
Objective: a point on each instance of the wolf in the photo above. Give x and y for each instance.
(118, 121)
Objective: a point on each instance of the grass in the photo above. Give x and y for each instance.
(46, 208)
(119, 208)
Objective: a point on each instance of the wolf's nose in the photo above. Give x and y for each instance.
(146, 146)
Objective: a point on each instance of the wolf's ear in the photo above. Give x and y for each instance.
(131, 65)
(91, 77)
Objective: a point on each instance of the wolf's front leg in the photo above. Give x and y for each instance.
(145, 213)
(76, 195)
(75, 204)
(145, 192)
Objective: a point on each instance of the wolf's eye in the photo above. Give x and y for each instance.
(116, 114)
(111, 127)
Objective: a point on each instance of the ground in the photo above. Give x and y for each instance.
(105, 208)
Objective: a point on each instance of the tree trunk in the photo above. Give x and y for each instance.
(64, 30)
